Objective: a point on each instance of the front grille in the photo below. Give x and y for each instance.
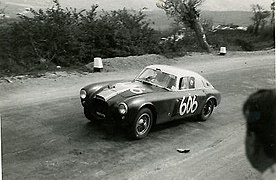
(100, 107)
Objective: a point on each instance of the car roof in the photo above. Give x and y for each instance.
(179, 72)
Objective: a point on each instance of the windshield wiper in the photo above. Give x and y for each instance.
(168, 89)
(156, 85)
(143, 81)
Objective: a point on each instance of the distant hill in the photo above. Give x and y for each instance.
(233, 5)
(161, 21)
(209, 5)
(241, 18)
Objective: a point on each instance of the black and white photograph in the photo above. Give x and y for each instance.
(137, 89)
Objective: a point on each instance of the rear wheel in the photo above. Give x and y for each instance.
(142, 124)
(206, 110)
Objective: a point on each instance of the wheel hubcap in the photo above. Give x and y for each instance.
(207, 109)
(143, 124)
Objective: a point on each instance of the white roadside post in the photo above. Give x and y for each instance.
(222, 51)
(98, 64)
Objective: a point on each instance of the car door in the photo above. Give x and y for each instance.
(189, 99)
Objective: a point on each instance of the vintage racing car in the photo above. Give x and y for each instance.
(159, 94)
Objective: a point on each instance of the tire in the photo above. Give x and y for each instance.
(206, 110)
(142, 124)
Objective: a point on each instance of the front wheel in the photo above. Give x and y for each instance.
(206, 110)
(142, 124)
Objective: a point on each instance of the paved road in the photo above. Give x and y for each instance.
(46, 136)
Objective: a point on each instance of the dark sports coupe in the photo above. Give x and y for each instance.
(159, 94)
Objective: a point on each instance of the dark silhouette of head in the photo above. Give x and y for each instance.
(260, 113)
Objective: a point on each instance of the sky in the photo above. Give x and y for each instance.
(212, 5)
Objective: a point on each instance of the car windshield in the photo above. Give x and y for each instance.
(158, 78)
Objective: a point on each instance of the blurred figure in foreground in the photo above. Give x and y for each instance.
(260, 113)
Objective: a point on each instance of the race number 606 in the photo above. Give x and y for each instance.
(188, 107)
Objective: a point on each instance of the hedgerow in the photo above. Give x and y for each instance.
(66, 37)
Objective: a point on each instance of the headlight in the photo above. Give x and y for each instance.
(82, 94)
(122, 108)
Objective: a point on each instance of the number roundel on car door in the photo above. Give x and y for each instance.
(188, 105)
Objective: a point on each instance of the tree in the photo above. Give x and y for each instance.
(259, 17)
(207, 24)
(186, 12)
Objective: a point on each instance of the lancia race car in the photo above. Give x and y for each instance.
(159, 94)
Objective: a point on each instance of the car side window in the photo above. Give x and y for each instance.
(186, 83)
(191, 83)
(183, 83)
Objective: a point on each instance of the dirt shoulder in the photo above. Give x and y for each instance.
(23, 89)
(131, 63)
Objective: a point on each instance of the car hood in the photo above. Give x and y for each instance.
(127, 89)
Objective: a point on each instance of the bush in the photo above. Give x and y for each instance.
(245, 45)
(68, 37)
(240, 40)
(268, 33)
(178, 44)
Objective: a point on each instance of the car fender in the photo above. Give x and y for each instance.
(151, 106)
(136, 104)
(212, 97)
